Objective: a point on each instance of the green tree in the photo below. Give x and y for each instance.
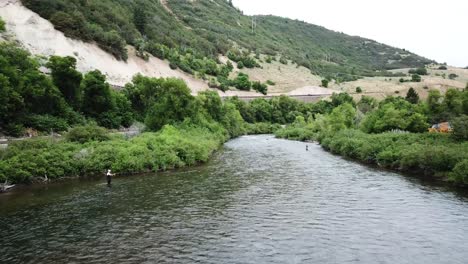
(172, 104)
(453, 76)
(325, 83)
(260, 87)
(242, 82)
(338, 99)
(66, 78)
(416, 78)
(460, 127)
(341, 117)
(212, 103)
(367, 104)
(2, 25)
(140, 18)
(412, 96)
(97, 97)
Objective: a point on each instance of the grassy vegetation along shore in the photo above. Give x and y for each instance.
(393, 133)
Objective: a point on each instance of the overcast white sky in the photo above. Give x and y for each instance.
(434, 29)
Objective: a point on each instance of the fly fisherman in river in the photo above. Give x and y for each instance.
(109, 175)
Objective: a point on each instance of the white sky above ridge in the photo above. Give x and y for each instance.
(434, 29)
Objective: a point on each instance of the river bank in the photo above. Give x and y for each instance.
(434, 156)
(37, 161)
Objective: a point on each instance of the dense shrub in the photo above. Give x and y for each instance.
(260, 87)
(416, 78)
(460, 172)
(171, 147)
(418, 71)
(453, 76)
(82, 134)
(460, 127)
(325, 83)
(2, 25)
(242, 82)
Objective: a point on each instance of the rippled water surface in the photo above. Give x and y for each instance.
(260, 200)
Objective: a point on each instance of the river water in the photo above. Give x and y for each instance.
(259, 200)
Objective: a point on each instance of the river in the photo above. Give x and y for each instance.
(259, 200)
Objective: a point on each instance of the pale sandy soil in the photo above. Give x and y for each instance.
(40, 38)
(380, 87)
(287, 77)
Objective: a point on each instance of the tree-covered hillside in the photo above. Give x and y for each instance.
(185, 31)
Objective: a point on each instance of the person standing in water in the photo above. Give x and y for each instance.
(109, 177)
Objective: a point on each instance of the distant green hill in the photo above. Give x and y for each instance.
(191, 34)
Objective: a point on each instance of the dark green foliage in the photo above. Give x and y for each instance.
(270, 82)
(443, 67)
(367, 104)
(2, 25)
(416, 78)
(325, 83)
(453, 76)
(338, 99)
(395, 113)
(460, 173)
(97, 98)
(358, 89)
(425, 153)
(412, 96)
(283, 60)
(242, 82)
(83, 134)
(260, 87)
(25, 91)
(46, 123)
(210, 29)
(460, 127)
(444, 108)
(172, 104)
(66, 78)
(240, 65)
(172, 147)
(419, 71)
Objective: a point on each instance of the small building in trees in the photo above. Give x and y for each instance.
(444, 127)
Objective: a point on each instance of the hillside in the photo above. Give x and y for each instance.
(206, 28)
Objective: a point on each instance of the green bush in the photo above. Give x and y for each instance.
(453, 76)
(460, 172)
(460, 127)
(325, 83)
(416, 78)
(2, 25)
(47, 123)
(83, 134)
(242, 82)
(418, 71)
(260, 87)
(358, 89)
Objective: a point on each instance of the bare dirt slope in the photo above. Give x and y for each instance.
(380, 87)
(40, 38)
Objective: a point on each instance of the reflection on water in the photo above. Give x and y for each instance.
(260, 200)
